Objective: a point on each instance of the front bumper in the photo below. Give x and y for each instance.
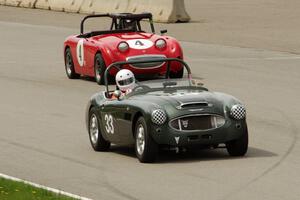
(232, 129)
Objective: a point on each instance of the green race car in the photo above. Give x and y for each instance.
(166, 112)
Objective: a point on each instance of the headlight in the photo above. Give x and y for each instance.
(160, 43)
(238, 112)
(123, 46)
(159, 117)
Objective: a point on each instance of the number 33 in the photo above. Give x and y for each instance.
(109, 126)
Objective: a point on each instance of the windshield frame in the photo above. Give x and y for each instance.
(118, 66)
(188, 86)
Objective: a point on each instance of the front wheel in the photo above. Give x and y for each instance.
(178, 74)
(97, 141)
(99, 68)
(145, 147)
(239, 146)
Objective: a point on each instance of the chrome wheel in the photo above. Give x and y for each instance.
(98, 76)
(140, 139)
(69, 63)
(97, 70)
(94, 130)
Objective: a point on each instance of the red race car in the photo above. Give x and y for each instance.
(89, 53)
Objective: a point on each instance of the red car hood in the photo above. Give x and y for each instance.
(140, 44)
(136, 41)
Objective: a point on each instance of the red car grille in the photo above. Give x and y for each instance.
(146, 65)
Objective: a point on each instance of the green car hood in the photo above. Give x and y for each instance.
(199, 101)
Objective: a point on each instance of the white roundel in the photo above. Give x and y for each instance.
(80, 52)
(140, 43)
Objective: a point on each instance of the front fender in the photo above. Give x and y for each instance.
(87, 112)
(95, 101)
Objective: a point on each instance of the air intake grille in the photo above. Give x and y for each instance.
(197, 122)
(148, 64)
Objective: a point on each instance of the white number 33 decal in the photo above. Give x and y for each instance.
(109, 123)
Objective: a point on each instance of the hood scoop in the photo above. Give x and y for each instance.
(189, 105)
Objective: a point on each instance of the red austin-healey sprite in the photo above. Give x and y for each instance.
(89, 53)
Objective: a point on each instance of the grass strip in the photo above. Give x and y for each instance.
(14, 190)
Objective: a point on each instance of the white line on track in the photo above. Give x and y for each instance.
(56, 191)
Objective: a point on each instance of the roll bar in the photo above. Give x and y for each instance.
(115, 16)
(90, 16)
(118, 66)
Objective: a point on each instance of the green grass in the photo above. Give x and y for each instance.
(12, 190)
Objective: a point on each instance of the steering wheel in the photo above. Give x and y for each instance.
(141, 87)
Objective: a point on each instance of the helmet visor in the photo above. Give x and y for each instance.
(127, 81)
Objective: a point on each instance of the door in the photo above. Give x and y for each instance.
(83, 56)
(124, 116)
(109, 122)
(116, 118)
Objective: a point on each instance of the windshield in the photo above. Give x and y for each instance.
(167, 83)
(146, 26)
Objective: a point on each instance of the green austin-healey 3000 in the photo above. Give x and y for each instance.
(166, 112)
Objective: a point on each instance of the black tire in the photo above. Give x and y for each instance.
(178, 74)
(239, 146)
(69, 65)
(98, 143)
(149, 153)
(99, 68)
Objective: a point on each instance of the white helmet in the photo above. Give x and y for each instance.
(125, 80)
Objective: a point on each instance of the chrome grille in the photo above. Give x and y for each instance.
(197, 122)
(148, 64)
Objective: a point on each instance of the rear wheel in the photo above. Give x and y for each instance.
(145, 147)
(178, 74)
(239, 146)
(97, 141)
(69, 65)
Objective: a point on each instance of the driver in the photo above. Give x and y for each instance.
(125, 81)
(129, 24)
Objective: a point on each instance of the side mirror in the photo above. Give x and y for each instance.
(163, 31)
(117, 94)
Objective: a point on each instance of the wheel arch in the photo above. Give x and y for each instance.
(106, 55)
(102, 53)
(95, 101)
(87, 115)
(136, 116)
(98, 51)
(65, 49)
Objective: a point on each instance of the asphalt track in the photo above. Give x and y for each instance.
(43, 137)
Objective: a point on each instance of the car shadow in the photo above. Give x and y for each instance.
(195, 155)
(88, 78)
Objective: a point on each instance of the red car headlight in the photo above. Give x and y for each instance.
(123, 46)
(160, 43)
